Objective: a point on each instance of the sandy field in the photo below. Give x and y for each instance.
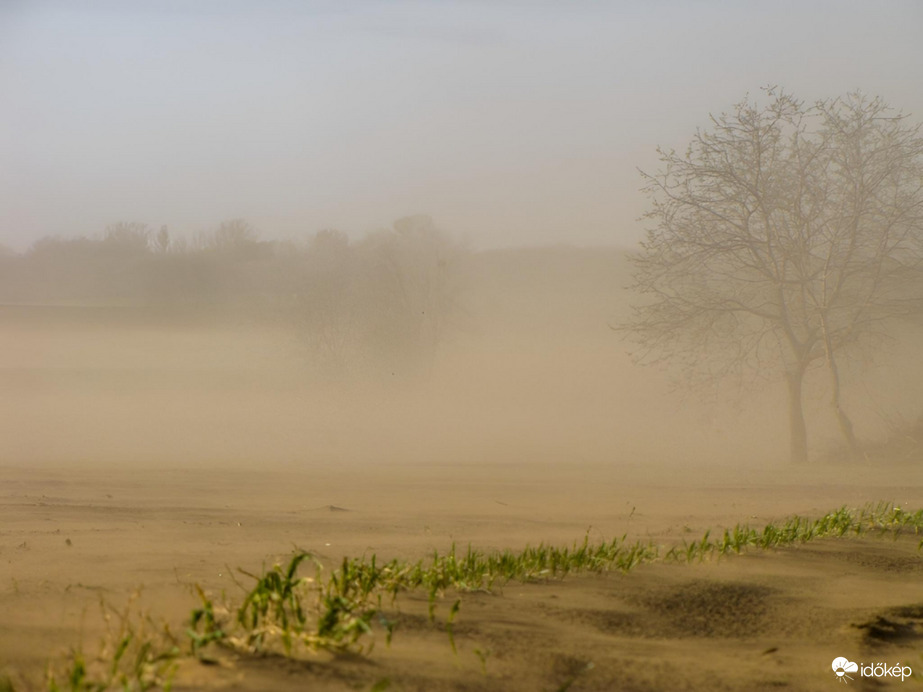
(766, 620)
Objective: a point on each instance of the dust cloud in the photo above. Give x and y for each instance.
(523, 366)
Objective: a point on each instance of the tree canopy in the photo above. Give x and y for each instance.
(787, 235)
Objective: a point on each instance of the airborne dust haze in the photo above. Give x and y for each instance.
(525, 368)
(511, 126)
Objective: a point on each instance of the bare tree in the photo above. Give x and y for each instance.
(127, 238)
(235, 236)
(410, 289)
(384, 303)
(325, 300)
(234, 239)
(162, 241)
(785, 236)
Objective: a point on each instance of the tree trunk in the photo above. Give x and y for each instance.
(797, 428)
(855, 451)
(853, 448)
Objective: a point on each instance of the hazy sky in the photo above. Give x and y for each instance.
(508, 122)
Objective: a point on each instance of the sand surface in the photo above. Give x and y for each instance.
(764, 620)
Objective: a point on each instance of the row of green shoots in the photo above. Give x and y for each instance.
(286, 612)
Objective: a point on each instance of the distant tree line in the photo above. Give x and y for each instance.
(385, 300)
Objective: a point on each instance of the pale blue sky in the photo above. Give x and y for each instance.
(509, 122)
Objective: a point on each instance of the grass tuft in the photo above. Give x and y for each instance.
(135, 655)
(284, 612)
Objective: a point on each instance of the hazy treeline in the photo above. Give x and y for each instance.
(385, 299)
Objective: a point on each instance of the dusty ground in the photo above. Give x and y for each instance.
(760, 621)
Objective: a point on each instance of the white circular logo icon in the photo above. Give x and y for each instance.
(842, 666)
